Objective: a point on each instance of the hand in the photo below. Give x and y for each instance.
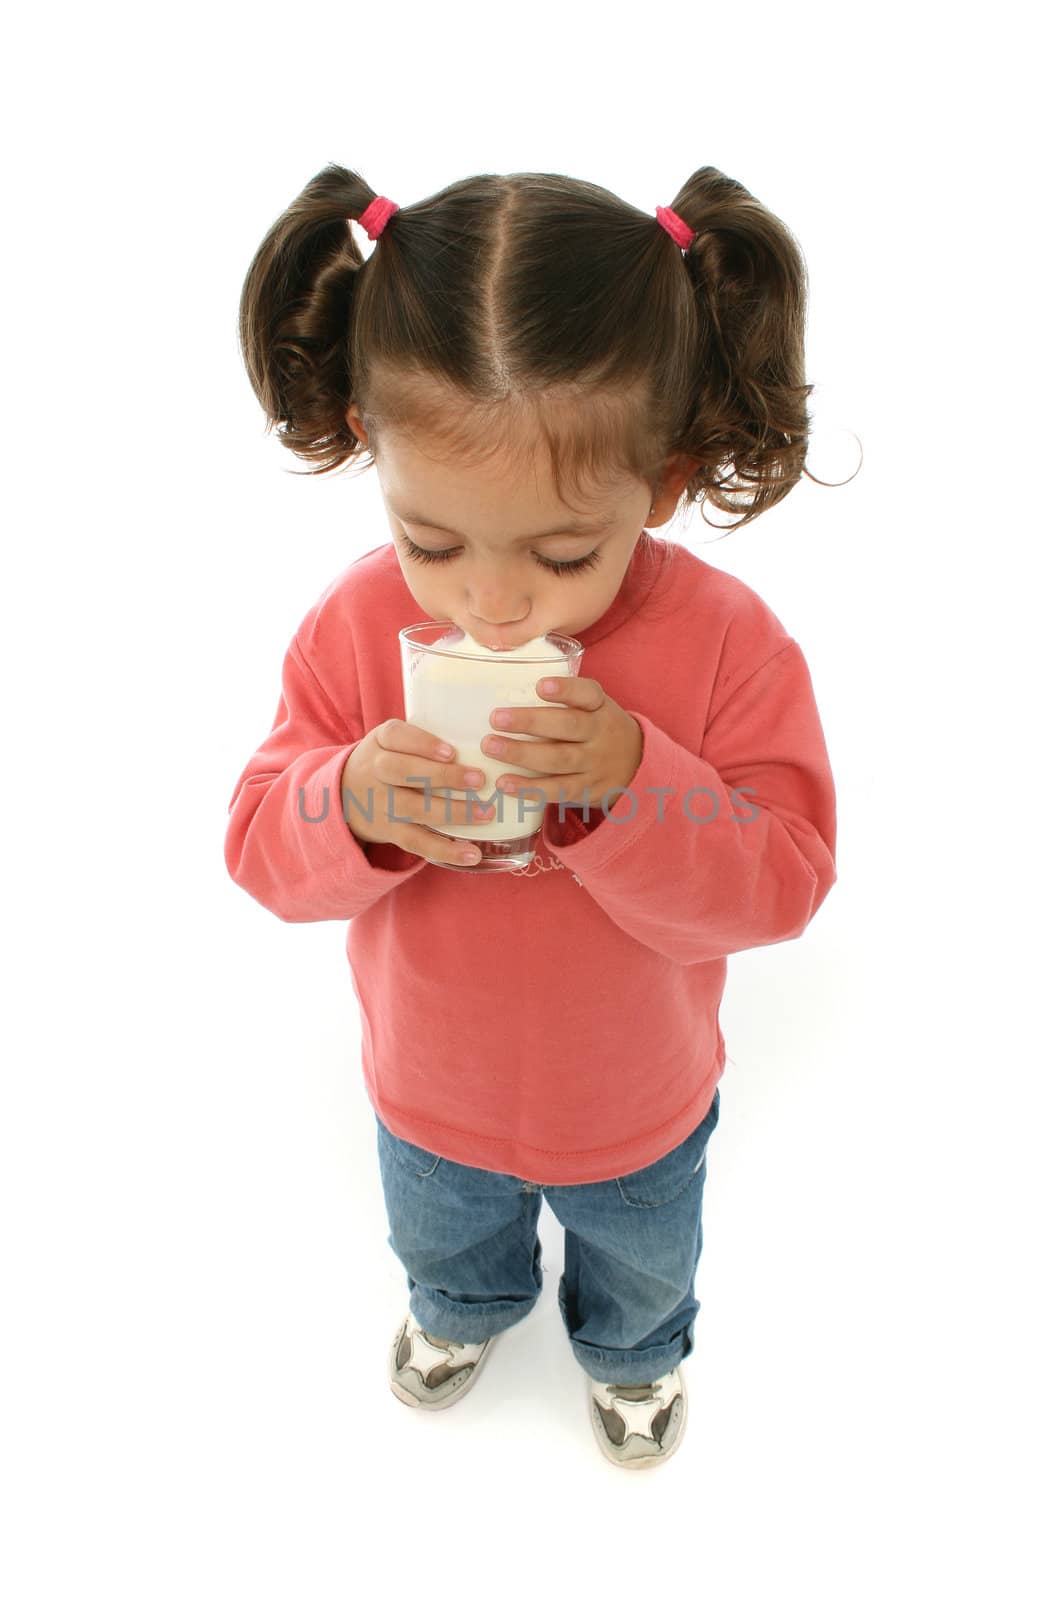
(590, 745)
(385, 775)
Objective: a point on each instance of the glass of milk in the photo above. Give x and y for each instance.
(452, 684)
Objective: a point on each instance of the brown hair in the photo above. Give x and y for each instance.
(505, 310)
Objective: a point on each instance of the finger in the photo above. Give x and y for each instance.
(436, 848)
(409, 740)
(545, 722)
(404, 738)
(435, 804)
(439, 778)
(397, 740)
(528, 797)
(586, 693)
(537, 755)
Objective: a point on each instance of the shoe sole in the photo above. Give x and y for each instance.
(409, 1398)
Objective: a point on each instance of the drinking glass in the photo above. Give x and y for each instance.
(452, 693)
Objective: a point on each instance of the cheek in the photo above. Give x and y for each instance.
(421, 580)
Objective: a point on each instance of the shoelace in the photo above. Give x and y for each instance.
(635, 1391)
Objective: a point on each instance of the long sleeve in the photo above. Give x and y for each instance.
(287, 842)
(711, 853)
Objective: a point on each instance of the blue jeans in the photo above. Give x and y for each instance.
(468, 1241)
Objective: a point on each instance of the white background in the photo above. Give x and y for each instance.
(198, 1290)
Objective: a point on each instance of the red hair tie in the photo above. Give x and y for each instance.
(678, 229)
(375, 216)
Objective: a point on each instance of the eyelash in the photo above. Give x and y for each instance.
(562, 568)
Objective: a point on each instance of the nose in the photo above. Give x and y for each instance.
(497, 618)
(498, 610)
(496, 627)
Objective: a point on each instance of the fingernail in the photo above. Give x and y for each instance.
(474, 778)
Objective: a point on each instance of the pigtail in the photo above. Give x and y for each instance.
(296, 318)
(749, 426)
(510, 314)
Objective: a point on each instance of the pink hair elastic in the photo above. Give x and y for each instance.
(375, 216)
(678, 229)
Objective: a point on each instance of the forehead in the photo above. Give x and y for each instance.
(427, 485)
(563, 451)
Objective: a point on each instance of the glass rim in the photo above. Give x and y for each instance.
(406, 636)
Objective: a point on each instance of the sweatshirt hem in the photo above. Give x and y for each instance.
(514, 1159)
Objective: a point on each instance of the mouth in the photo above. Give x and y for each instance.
(499, 644)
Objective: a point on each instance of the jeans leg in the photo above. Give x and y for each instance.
(632, 1247)
(467, 1239)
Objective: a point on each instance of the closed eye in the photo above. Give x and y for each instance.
(417, 553)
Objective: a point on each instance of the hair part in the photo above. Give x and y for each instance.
(536, 312)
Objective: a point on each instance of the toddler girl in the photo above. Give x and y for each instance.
(540, 374)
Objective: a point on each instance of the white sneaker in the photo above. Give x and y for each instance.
(431, 1372)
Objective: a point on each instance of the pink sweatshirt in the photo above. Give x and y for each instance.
(558, 1023)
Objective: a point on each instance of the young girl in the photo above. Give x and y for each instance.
(541, 373)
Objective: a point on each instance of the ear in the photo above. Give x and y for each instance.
(676, 473)
(356, 423)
